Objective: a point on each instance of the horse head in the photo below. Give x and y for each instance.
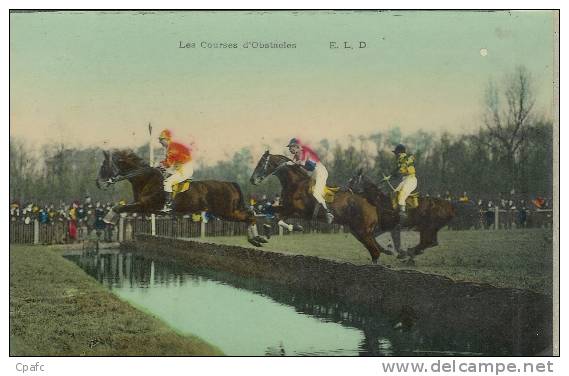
(361, 184)
(268, 165)
(117, 164)
(356, 183)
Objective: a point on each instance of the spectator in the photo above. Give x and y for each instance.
(522, 214)
(43, 215)
(277, 200)
(489, 215)
(52, 213)
(538, 202)
(109, 228)
(14, 211)
(72, 225)
(99, 224)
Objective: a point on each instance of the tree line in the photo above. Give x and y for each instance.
(511, 152)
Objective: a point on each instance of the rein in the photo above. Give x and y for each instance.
(131, 174)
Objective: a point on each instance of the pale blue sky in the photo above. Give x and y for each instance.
(95, 77)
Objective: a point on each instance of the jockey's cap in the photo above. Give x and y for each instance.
(292, 142)
(165, 134)
(399, 149)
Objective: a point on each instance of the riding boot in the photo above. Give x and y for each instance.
(402, 214)
(167, 202)
(329, 216)
(316, 210)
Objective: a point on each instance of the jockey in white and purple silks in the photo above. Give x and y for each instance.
(307, 158)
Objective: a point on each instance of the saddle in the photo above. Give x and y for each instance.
(180, 187)
(329, 192)
(412, 200)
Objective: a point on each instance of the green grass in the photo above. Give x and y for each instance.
(516, 258)
(56, 309)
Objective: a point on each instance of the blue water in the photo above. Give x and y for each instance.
(249, 317)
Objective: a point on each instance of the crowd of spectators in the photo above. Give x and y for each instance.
(84, 218)
(81, 218)
(514, 210)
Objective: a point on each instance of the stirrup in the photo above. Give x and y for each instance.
(402, 214)
(168, 203)
(329, 217)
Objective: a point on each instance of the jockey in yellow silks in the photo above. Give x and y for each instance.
(406, 169)
(177, 164)
(307, 158)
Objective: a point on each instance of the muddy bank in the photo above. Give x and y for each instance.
(518, 320)
(58, 310)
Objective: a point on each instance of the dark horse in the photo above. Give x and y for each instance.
(296, 200)
(222, 199)
(428, 218)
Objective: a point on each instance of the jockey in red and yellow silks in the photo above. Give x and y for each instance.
(178, 164)
(306, 157)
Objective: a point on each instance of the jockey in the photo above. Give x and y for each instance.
(405, 167)
(178, 164)
(307, 158)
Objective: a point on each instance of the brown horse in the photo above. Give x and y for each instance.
(428, 218)
(296, 200)
(222, 199)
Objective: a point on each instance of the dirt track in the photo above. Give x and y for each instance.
(516, 319)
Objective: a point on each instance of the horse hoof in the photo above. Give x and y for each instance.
(260, 239)
(374, 261)
(254, 242)
(402, 255)
(297, 228)
(387, 252)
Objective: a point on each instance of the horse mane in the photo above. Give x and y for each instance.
(370, 183)
(376, 190)
(129, 156)
(283, 159)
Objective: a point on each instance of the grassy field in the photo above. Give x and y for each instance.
(515, 258)
(56, 309)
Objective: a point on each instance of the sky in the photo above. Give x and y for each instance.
(99, 78)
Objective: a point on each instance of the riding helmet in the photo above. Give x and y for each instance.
(293, 141)
(399, 149)
(165, 134)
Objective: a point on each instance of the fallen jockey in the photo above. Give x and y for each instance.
(178, 166)
(307, 158)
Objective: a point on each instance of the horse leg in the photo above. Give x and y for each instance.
(112, 216)
(281, 215)
(371, 245)
(396, 236)
(290, 227)
(242, 215)
(427, 239)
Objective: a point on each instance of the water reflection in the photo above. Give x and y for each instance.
(244, 316)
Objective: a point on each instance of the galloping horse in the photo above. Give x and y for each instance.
(296, 200)
(222, 199)
(428, 218)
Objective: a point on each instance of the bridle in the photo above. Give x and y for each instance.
(116, 175)
(266, 166)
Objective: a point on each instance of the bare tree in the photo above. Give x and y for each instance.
(507, 116)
